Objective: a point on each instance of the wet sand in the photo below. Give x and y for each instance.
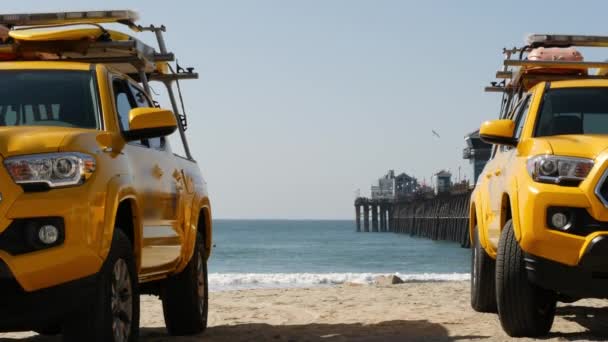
(406, 312)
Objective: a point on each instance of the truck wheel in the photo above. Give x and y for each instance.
(113, 314)
(483, 275)
(185, 296)
(524, 309)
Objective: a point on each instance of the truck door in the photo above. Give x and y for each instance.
(162, 238)
(483, 184)
(152, 180)
(500, 169)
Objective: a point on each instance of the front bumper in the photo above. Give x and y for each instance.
(588, 279)
(78, 256)
(573, 262)
(535, 236)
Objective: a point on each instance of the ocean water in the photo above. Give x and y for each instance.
(284, 253)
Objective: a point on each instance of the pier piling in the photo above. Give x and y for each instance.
(365, 217)
(384, 213)
(391, 220)
(374, 217)
(358, 216)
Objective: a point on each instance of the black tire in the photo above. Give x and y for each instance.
(185, 300)
(524, 309)
(96, 322)
(483, 276)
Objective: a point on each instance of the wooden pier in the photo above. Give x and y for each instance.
(442, 217)
(440, 212)
(381, 214)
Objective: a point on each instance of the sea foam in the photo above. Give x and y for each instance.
(239, 281)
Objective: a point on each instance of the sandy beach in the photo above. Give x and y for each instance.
(435, 311)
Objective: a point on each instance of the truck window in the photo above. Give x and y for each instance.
(123, 103)
(595, 123)
(518, 114)
(140, 97)
(573, 111)
(520, 119)
(49, 98)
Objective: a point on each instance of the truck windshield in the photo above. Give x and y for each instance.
(573, 111)
(49, 98)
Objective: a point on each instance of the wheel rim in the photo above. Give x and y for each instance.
(201, 282)
(122, 302)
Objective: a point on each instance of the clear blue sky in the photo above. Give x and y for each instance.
(301, 103)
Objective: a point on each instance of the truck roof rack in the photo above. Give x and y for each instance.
(515, 67)
(127, 54)
(518, 73)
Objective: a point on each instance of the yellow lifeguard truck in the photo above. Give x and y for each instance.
(95, 208)
(539, 212)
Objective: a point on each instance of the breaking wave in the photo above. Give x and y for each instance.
(240, 281)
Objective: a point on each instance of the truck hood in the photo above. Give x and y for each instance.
(19, 140)
(584, 146)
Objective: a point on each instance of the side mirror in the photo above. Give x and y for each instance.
(498, 132)
(146, 123)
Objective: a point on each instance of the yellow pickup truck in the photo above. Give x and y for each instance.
(95, 208)
(539, 212)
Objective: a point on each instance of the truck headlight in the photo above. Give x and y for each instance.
(51, 169)
(558, 169)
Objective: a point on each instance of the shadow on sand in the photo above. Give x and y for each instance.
(419, 330)
(595, 320)
(147, 334)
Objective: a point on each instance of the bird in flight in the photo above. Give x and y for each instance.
(435, 133)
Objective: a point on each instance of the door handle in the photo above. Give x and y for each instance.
(157, 171)
(498, 172)
(489, 175)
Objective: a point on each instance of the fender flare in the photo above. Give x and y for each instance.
(473, 218)
(206, 208)
(191, 231)
(476, 219)
(514, 206)
(120, 188)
